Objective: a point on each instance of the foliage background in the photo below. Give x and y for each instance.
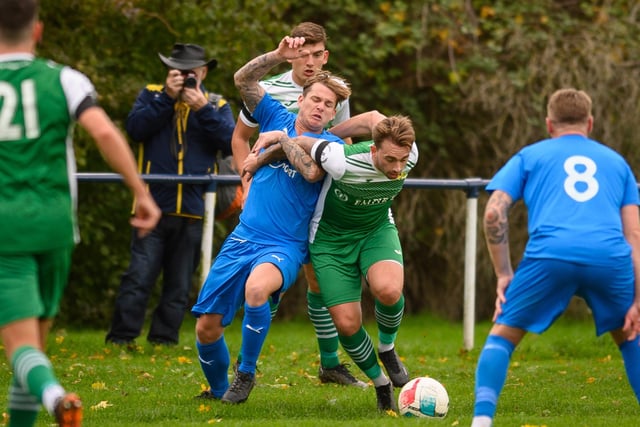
(473, 75)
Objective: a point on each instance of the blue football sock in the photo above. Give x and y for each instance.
(255, 326)
(631, 355)
(491, 374)
(214, 360)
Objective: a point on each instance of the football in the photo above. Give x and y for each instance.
(423, 397)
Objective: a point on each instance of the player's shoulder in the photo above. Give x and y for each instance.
(415, 153)
(328, 136)
(283, 80)
(358, 147)
(51, 64)
(287, 76)
(50, 67)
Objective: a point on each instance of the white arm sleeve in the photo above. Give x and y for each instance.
(77, 88)
(242, 116)
(330, 156)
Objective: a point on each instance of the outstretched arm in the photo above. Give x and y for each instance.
(254, 160)
(360, 125)
(277, 145)
(297, 151)
(265, 150)
(247, 78)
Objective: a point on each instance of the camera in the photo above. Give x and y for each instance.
(190, 79)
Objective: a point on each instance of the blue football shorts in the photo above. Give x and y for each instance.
(224, 287)
(541, 290)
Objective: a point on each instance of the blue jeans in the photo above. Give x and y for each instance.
(173, 247)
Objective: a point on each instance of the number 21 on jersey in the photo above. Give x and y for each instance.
(13, 131)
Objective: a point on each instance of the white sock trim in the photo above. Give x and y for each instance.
(385, 347)
(482, 421)
(50, 396)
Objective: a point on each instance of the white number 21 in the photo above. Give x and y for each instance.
(13, 131)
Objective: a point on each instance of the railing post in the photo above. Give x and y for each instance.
(469, 314)
(208, 221)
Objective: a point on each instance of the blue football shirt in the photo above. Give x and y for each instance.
(280, 202)
(574, 188)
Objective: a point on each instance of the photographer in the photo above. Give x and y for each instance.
(181, 127)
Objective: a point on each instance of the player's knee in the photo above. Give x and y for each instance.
(207, 330)
(347, 325)
(389, 295)
(348, 328)
(256, 296)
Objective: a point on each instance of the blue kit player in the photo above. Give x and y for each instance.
(584, 240)
(261, 258)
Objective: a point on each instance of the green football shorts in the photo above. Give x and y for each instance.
(31, 285)
(340, 268)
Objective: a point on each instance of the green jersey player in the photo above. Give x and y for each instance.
(39, 102)
(353, 235)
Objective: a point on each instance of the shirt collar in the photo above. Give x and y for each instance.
(17, 56)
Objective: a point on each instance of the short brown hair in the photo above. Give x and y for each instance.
(337, 84)
(16, 19)
(569, 106)
(398, 129)
(312, 33)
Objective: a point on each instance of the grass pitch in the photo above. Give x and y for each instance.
(566, 377)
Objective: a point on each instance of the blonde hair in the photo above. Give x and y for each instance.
(569, 107)
(398, 129)
(336, 84)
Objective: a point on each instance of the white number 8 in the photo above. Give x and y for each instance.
(574, 176)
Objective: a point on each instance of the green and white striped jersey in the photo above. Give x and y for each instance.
(355, 197)
(285, 90)
(38, 104)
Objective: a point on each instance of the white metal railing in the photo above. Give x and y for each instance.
(471, 186)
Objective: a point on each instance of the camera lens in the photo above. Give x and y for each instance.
(190, 80)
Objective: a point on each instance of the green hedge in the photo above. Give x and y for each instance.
(474, 78)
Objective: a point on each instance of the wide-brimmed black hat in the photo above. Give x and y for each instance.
(186, 56)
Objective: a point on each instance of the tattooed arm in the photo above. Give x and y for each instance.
(247, 78)
(496, 232)
(297, 151)
(276, 146)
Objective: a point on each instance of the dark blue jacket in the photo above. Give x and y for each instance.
(171, 145)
